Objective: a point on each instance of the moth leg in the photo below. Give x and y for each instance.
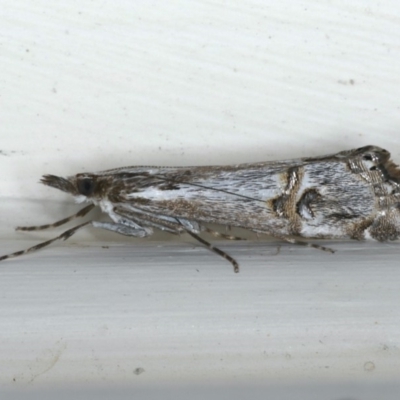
(195, 227)
(79, 214)
(302, 243)
(134, 219)
(128, 230)
(216, 250)
(64, 236)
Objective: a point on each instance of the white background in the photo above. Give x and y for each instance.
(94, 85)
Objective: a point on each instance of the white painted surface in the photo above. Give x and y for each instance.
(85, 313)
(88, 86)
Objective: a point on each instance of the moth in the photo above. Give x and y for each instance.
(352, 194)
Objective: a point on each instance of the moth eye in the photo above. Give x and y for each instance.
(86, 186)
(367, 157)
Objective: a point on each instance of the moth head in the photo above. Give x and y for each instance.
(82, 186)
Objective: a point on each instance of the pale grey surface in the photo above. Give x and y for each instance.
(171, 313)
(354, 391)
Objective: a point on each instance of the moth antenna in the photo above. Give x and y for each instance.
(79, 214)
(64, 236)
(210, 188)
